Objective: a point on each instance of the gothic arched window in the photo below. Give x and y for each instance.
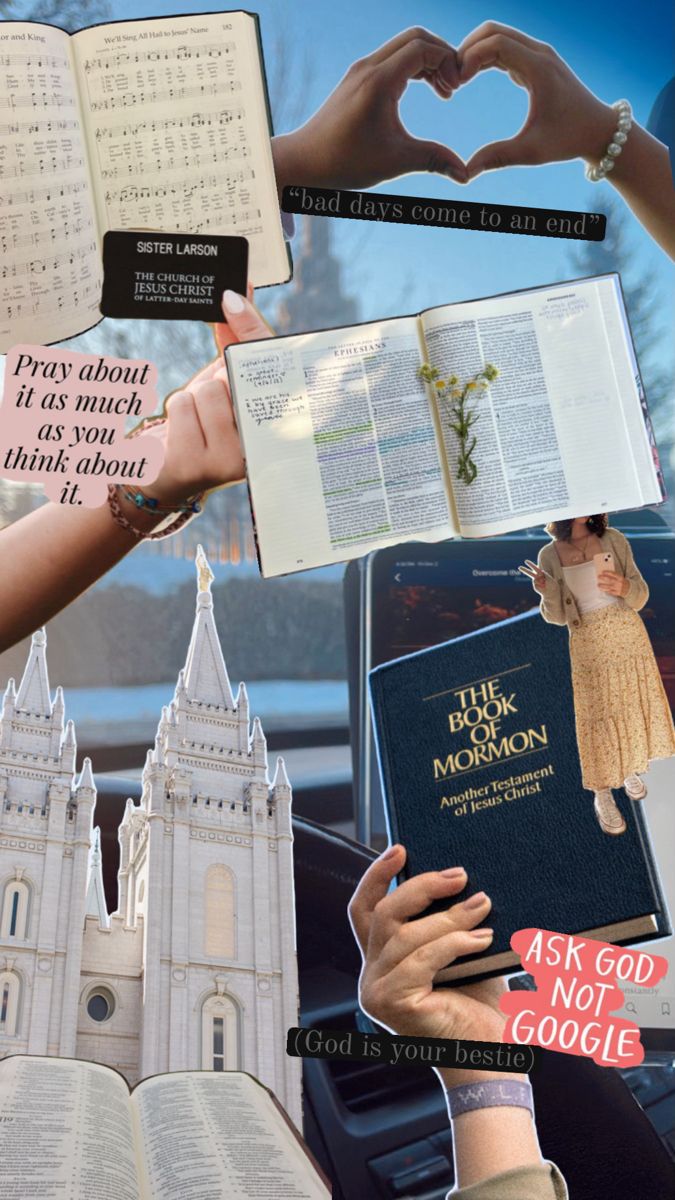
(220, 1034)
(15, 906)
(10, 987)
(219, 913)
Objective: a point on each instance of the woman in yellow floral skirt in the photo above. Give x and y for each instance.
(587, 579)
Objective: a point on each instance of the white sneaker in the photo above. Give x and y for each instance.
(609, 817)
(635, 787)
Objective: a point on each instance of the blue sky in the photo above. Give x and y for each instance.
(616, 49)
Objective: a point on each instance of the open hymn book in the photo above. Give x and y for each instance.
(70, 1130)
(348, 451)
(159, 124)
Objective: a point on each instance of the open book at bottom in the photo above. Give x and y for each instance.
(73, 1129)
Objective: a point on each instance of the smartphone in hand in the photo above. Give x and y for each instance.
(603, 562)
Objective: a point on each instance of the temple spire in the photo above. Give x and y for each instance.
(95, 904)
(9, 698)
(33, 695)
(205, 674)
(258, 746)
(86, 779)
(59, 706)
(280, 777)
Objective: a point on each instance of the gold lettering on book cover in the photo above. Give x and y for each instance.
(479, 713)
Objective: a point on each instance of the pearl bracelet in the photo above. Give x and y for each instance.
(619, 139)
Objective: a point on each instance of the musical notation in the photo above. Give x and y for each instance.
(46, 304)
(37, 100)
(169, 144)
(152, 166)
(52, 191)
(131, 99)
(39, 237)
(53, 262)
(168, 124)
(30, 127)
(248, 222)
(22, 169)
(127, 58)
(190, 163)
(181, 190)
(49, 257)
(39, 60)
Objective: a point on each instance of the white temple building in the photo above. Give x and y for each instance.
(197, 967)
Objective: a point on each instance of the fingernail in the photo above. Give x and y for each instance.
(233, 302)
(476, 901)
(453, 873)
(389, 853)
(482, 934)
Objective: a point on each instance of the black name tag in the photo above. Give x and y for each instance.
(171, 276)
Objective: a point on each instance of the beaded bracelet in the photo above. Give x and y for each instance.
(619, 139)
(490, 1094)
(186, 514)
(140, 500)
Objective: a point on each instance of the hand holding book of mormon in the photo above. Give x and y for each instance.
(347, 450)
(72, 1129)
(160, 124)
(478, 758)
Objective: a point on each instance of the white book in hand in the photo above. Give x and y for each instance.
(72, 1130)
(347, 450)
(159, 124)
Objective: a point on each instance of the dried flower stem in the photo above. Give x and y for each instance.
(462, 417)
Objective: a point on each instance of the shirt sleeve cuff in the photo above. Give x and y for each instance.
(637, 594)
(537, 1182)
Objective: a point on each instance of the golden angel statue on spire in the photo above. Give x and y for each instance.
(205, 575)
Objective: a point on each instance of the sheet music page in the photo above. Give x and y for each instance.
(177, 131)
(50, 274)
(206, 1135)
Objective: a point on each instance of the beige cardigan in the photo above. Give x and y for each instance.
(542, 1182)
(558, 604)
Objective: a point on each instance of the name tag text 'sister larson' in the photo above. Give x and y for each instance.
(205, 249)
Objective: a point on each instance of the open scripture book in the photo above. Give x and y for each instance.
(347, 450)
(70, 1130)
(159, 124)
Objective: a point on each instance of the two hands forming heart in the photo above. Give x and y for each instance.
(357, 138)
